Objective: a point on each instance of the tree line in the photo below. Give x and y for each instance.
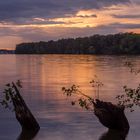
(121, 43)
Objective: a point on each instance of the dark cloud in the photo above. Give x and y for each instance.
(87, 16)
(81, 16)
(124, 25)
(127, 16)
(32, 22)
(14, 10)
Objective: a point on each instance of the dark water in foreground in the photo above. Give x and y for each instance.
(43, 76)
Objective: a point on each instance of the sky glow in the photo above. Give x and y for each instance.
(43, 20)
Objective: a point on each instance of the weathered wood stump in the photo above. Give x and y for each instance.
(111, 116)
(22, 112)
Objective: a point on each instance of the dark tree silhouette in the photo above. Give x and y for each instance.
(121, 43)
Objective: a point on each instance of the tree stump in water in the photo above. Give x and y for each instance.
(113, 135)
(22, 112)
(111, 116)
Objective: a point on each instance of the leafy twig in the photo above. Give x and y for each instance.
(9, 93)
(84, 100)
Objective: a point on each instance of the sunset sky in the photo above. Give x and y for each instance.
(42, 20)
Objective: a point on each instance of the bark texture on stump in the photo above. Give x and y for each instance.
(22, 112)
(111, 116)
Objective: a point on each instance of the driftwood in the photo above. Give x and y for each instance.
(111, 116)
(22, 112)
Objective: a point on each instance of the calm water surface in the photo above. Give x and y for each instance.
(43, 76)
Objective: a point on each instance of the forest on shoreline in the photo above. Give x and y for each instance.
(121, 43)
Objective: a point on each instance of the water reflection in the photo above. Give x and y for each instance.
(27, 135)
(51, 72)
(45, 71)
(113, 135)
(43, 76)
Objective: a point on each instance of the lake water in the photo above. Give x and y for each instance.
(43, 76)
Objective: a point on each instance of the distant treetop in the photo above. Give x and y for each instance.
(121, 43)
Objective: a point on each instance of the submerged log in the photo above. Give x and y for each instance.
(22, 112)
(111, 116)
